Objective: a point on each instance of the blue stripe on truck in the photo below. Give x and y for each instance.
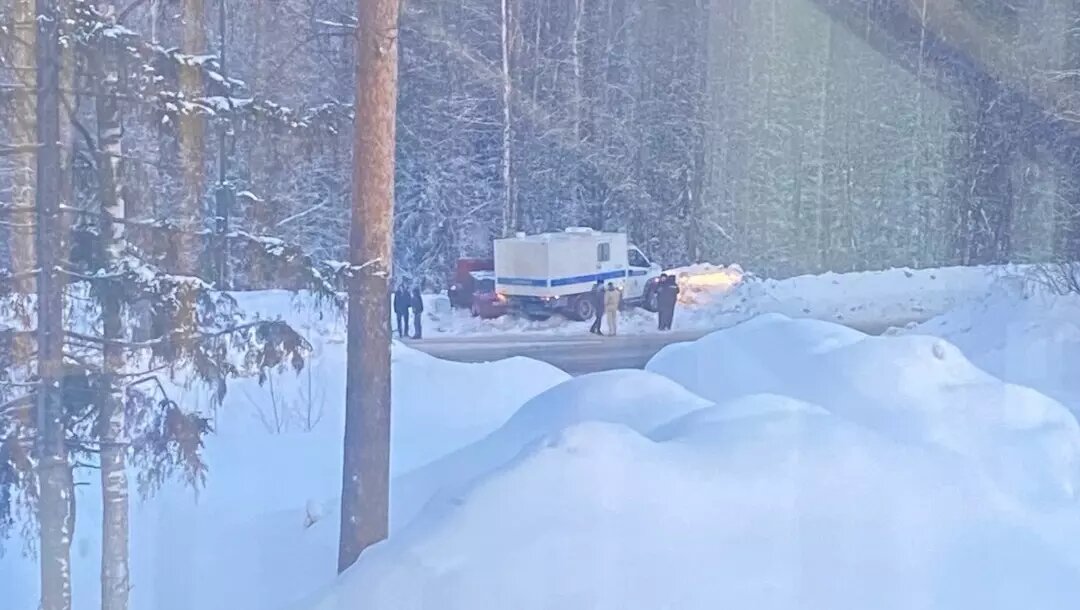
(569, 281)
(587, 279)
(521, 281)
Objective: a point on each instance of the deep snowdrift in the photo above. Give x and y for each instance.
(1022, 333)
(791, 511)
(881, 473)
(637, 399)
(914, 389)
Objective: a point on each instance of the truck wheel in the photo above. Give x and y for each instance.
(583, 309)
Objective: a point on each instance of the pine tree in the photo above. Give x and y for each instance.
(87, 391)
(365, 494)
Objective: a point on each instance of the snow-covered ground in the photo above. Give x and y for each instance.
(782, 464)
(714, 297)
(263, 532)
(1020, 332)
(800, 465)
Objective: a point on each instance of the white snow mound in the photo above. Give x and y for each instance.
(756, 405)
(637, 399)
(441, 406)
(784, 510)
(263, 531)
(758, 356)
(1022, 333)
(911, 388)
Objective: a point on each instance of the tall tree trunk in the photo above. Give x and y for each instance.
(365, 497)
(575, 114)
(112, 422)
(510, 211)
(55, 490)
(192, 141)
(695, 187)
(223, 196)
(917, 247)
(823, 219)
(23, 132)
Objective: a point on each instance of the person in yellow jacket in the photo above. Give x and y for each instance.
(612, 298)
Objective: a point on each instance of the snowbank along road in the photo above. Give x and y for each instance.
(577, 355)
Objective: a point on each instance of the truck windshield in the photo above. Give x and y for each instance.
(636, 258)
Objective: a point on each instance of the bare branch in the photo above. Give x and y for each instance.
(21, 404)
(18, 149)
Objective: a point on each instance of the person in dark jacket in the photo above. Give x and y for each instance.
(668, 297)
(660, 311)
(417, 312)
(598, 307)
(402, 300)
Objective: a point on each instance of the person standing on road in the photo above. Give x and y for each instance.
(598, 307)
(611, 308)
(402, 301)
(668, 297)
(660, 317)
(417, 304)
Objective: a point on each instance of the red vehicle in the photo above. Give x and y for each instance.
(486, 303)
(463, 284)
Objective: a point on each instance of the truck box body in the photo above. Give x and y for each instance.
(553, 265)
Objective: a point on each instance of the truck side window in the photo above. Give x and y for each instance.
(603, 253)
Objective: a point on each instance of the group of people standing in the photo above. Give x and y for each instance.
(606, 301)
(404, 302)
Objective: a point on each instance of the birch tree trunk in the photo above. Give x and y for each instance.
(55, 491)
(365, 497)
(112, 422)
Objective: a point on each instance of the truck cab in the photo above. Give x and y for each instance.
(641, 269)
(463, 281)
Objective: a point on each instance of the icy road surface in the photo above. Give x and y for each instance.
(578, 355)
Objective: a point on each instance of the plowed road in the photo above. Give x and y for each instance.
(576, 355)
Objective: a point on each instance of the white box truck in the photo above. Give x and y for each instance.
(555, 272)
